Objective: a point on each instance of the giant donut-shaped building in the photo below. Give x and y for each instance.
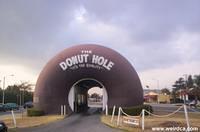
(76, 69)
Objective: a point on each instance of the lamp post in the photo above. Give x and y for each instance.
(3, 97)
(185, 96)
(157, 81)
(0, 84)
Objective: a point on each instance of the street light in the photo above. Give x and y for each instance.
(157, 88)
(0, 84)
(3, 97)
(185, 96)
(157, 83)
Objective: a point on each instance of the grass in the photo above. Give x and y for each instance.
(177, 120)
(26, 121)
(106, 120)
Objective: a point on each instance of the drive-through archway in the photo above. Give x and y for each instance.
(94, 62)
(78, 95)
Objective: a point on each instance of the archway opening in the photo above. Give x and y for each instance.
(95, 99)
(81, 96)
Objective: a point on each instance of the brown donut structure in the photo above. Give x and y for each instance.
(96, 62)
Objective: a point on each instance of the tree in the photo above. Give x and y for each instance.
(25, 86)
(174, 95)
(1, 92)
(190, 82)
(26, 89)
(190, 86)
(196, 89)
(19, 93)
(11, 93)
(179, 84)
(165, 91)
(197, 80)
(96, 96)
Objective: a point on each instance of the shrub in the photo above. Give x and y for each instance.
(134, 110)
(34, 112)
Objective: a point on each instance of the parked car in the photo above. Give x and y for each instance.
(194, 103)
(177, 100)
(11, 106)
(28, 105)
(3, 127)
(187, 102)
(2, 108)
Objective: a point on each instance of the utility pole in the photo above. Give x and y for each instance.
(157, 81)
(185, 91)
(157, 90)
(3, 89)
(0, 84)
(4, 78)
(20, 98)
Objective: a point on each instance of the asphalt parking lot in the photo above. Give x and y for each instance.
(171, 108)
(6, 114)
(74, 123)
(86, 122)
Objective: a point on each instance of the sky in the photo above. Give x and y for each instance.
(161, 39)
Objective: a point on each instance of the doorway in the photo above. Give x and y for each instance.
(79, 97)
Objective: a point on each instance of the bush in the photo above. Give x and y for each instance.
(134, 110)
(177, 100)
(34, 112)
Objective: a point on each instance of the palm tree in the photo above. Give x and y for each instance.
(179, 84)
(196, 89)
(165, 91)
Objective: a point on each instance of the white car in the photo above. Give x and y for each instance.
(192, 103)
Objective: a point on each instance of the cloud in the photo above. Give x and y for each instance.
(151, 20)
(150, 34)
(167, 76)
(29, 29)
(21, 73)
